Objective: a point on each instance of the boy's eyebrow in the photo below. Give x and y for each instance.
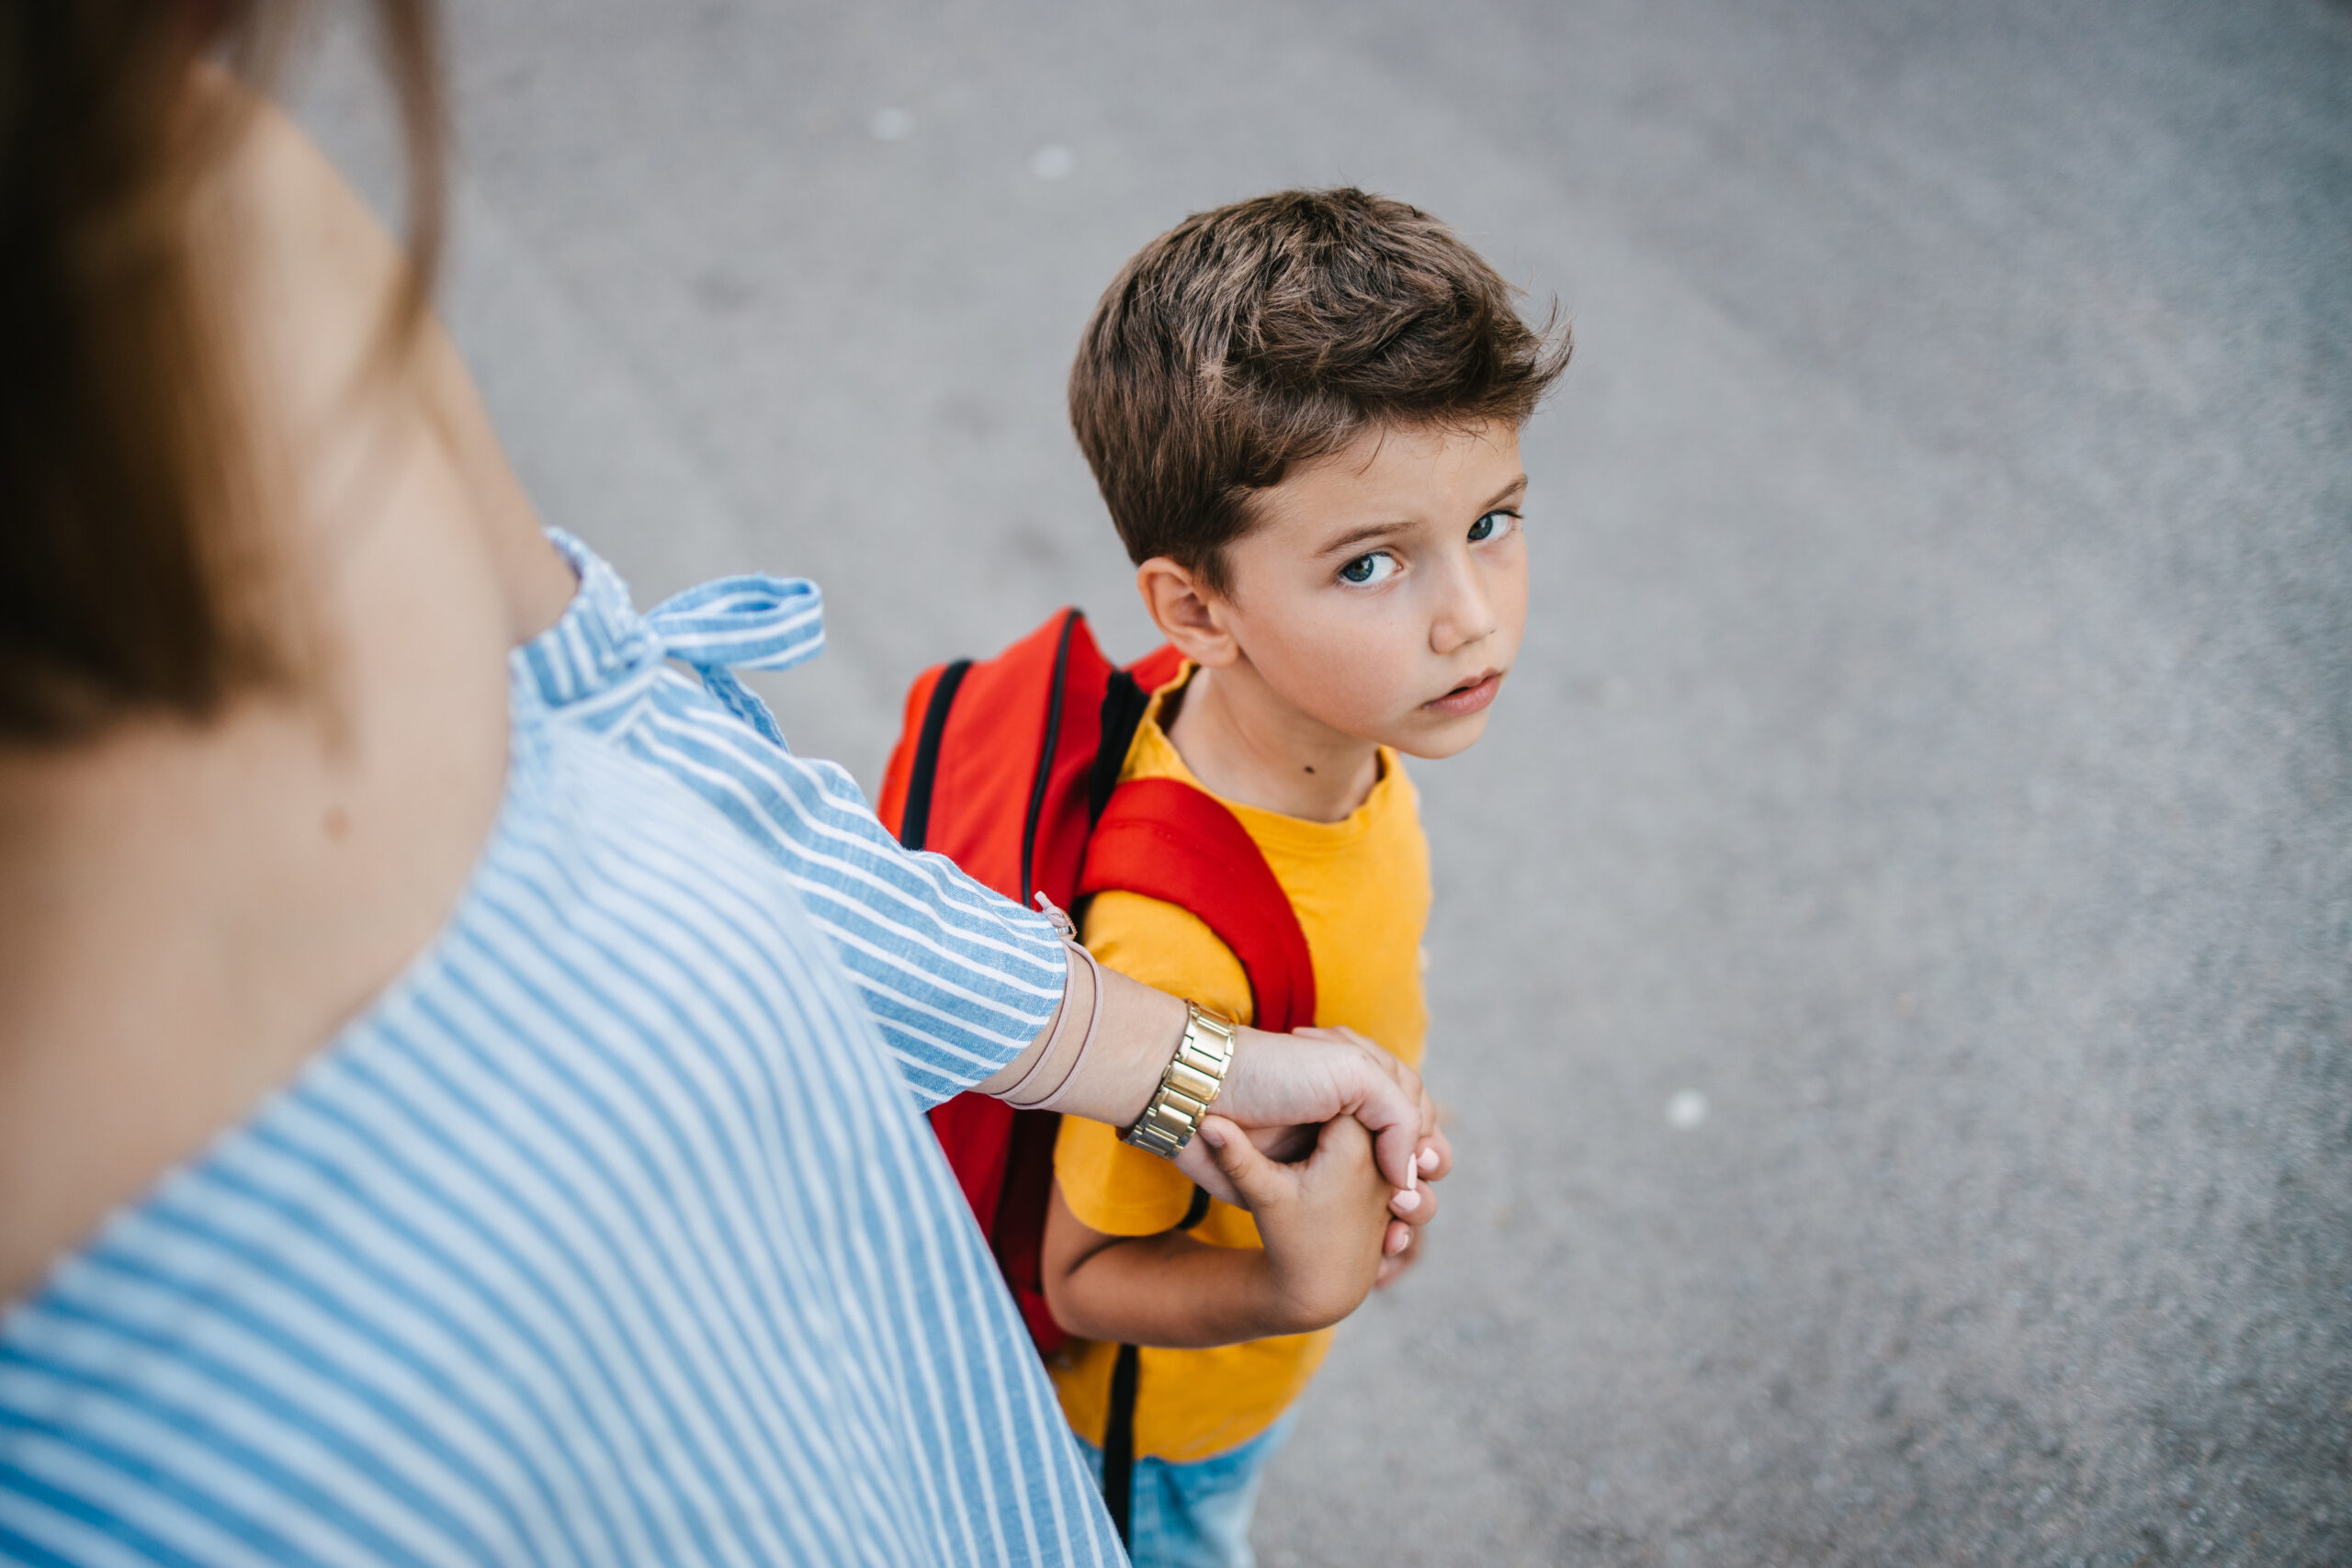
(1363, 536)
(1371, 531)
(1504, 494)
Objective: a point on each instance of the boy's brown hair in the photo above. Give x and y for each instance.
(1275, 331)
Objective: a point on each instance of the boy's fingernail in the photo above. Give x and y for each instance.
(1214, 1137)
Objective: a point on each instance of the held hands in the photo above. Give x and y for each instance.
(1433, 1159)
(1392, 1104)
(1281, 1086)
(1327, 1208)
(1324, 1220)
(1400, 1249)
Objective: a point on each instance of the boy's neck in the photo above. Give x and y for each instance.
(1248, 744)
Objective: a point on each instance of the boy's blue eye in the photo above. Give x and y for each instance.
(1494, 524)
(1377, 566)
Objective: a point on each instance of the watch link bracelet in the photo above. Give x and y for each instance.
(1194, 1077)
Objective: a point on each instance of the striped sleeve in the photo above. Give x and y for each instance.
(959, 979)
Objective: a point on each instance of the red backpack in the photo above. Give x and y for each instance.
(1009, 767)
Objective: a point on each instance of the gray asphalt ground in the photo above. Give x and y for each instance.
(1929, 759)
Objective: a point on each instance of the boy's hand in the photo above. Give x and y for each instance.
(1283, 1086)
(1433, 1154)
(1324, 1220)
(1286, 1144)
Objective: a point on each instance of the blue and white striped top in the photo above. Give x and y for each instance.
(959, 979)
(611, 1233)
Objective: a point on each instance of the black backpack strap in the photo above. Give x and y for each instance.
(914, 820)
(1122, 705)
(1119, 1444)
(1119, 1429)
(1197, 1211)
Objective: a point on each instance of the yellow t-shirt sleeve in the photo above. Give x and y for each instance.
(1110, 1186)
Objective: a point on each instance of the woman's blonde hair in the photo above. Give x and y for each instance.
(129, 544)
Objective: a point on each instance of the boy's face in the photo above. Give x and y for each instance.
(1383, 591)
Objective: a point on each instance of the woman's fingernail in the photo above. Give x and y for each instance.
(1408, 1201)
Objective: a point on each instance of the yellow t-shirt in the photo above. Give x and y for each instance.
(1361, 889)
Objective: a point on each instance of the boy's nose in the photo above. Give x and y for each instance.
(1465, 616)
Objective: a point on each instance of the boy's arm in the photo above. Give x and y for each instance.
(1322, 1221)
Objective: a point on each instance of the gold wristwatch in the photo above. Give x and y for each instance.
(1194, 1077)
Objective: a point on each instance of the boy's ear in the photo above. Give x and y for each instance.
(1188, 613)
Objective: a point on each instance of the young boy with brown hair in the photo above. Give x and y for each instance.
(1303, 414)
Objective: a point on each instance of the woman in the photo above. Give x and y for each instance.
(433, 1127)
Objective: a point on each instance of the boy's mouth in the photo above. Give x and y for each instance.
(1468, 697)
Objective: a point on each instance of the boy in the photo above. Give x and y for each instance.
(1304, 412)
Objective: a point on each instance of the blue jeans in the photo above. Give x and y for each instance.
(1197, 1515)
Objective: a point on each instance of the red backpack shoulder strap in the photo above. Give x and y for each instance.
(1168, 841)
(1155, 668)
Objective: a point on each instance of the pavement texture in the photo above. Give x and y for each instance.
(1893, 965)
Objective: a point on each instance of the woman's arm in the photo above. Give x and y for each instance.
(1275, 1081)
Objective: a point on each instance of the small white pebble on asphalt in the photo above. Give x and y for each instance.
(1052, 161)
(891, 125)
(1686, 1109)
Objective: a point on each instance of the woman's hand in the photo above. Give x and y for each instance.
(1278, 1082)
(1401, 1248)
(1280, 1088)
(1433, 1156)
